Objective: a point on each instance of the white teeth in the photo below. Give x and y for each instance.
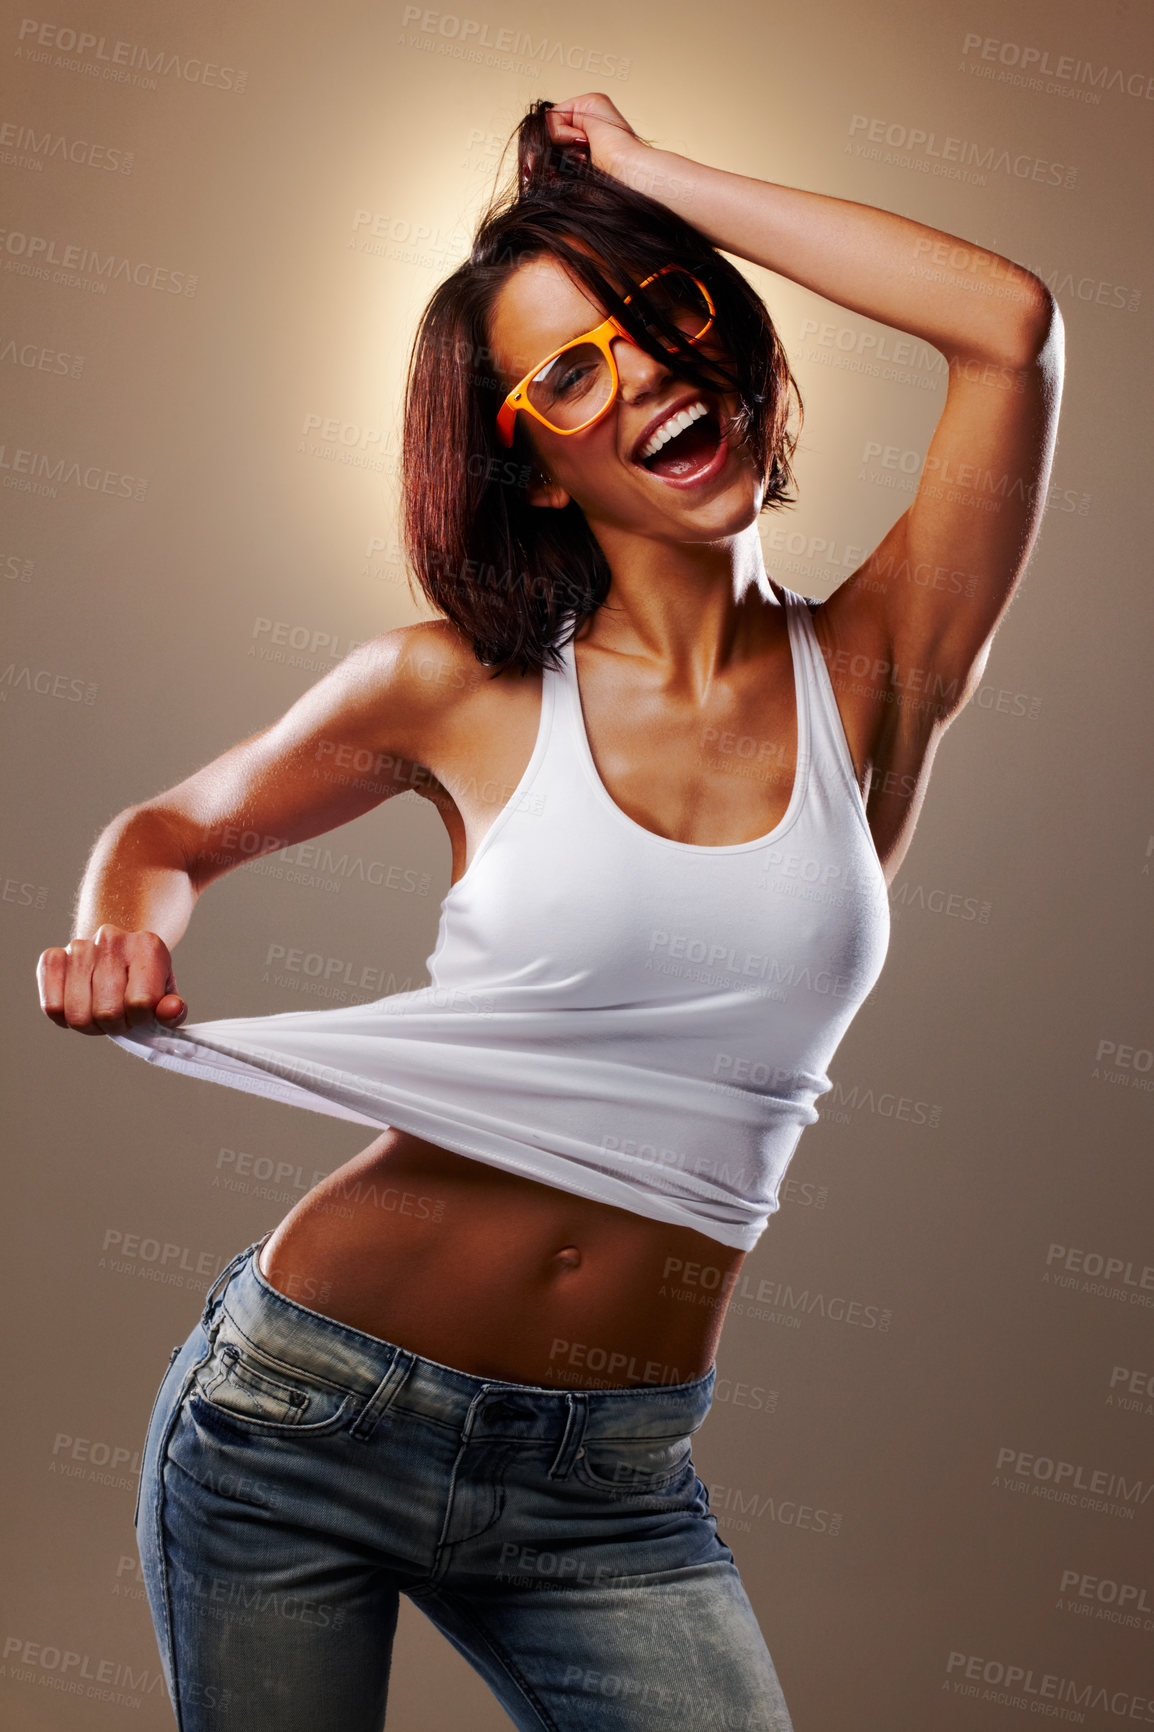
(671, 428)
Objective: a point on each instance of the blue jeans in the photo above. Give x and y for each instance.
(299, 1475)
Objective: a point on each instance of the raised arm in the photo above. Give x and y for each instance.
(353, 740)
(983, 486)
(924, 629)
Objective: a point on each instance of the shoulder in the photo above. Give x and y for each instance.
(426, 680)
(427, 667)
(432, 652)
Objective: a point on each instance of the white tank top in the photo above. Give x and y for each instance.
(637, 1020)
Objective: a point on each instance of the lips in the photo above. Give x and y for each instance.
(689, 461)
(663, 415)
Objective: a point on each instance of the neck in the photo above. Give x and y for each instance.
(694, 607)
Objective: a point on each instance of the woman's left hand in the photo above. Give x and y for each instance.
(594, 122)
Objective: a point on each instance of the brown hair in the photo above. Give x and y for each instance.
(516, 579)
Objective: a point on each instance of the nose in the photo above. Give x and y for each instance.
(639, 372)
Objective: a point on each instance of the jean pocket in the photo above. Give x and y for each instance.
(260, 1392)
(634, 1466)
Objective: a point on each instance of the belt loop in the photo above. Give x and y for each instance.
(384, 1393)
(575, 1420)
(225, 1275)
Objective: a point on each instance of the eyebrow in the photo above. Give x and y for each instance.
(595, 320)
(576, 337)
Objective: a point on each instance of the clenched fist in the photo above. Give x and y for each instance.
(110, 983)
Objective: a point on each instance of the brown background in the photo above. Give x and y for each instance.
(146, 634)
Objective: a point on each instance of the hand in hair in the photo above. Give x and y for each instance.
(594, 123)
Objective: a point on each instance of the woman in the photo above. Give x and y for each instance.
(456, 1369)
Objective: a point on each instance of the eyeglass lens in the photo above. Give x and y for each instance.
(577, 383)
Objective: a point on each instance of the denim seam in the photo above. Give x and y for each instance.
(444, 1547)
(632, 1391)
(277, 1428)
(441, 1548)
(162, 1464)
(383, 1396)
(497, 1491)
(256, 1377)
(621, 1490)
(576, 1421)
(214, 1296)
(262, 1353)
(148, 1428)
(451, 1426)
(643, 1436)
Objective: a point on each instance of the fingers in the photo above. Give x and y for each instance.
(564, 132)
(568, 121)
(50, 975)
(149, 980)
(592, 122)
(106, 984)
(76, 986)
(110, 983)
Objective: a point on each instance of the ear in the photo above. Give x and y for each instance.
(546, 492)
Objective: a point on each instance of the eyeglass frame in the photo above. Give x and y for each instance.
(602, 336)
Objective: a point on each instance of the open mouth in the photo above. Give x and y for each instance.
(691, 454)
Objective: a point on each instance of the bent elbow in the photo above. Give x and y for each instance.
(1038, 334)
(160, 837)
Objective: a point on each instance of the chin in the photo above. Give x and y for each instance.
(729, 517)
(736, 507)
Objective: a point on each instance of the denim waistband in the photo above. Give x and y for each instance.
(390, 1375)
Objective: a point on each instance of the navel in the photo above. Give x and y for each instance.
(569, 1258)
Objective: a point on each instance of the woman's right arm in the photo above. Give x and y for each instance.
(360, 735)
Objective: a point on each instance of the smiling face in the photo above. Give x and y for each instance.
(713, 491)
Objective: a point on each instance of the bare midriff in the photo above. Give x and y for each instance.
(501, 1276)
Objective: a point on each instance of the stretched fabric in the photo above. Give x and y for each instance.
(636, 1020)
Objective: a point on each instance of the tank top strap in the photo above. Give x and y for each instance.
(567, 739)
(827, 741)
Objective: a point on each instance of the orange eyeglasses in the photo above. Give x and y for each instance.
(574, 386)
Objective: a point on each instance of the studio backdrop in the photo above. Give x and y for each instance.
(932, 1444)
